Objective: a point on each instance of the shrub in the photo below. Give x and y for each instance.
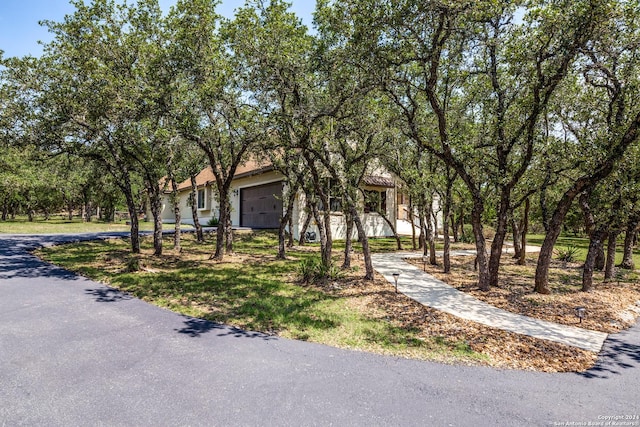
(133, 264)
(312, 270)
(568, 254)
(213, 222)
(487, 231)
(467, 236)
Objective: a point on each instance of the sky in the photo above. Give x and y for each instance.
(20, 32)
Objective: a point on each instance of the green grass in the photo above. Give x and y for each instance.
(582, 246)
(59, 225)
(253, 291)
(389, 244)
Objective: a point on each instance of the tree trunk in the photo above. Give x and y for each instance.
(422, 240)
(627, 257)
(609, 270)
(175, 199)
(525, 230)
(546, 251)
(222, 228)
(454, 228)
(446, 213)
(326, 253)
(282, 238)
(286, 220)
(305, 226)
(193, 198)
(290, 241)
(517, 244)
(133, 220)
(70, 211)
(544, 208)
(366, 251)
(325, 247)
(157, 228)
(393, 230)
(600, 258)
(595, 244)
(461, 224)
(5, 208)
(432, 247)
(590, 226)
(412, 220)
(348, 245)
(87, 212)
(430, 234)
(228, 232)
(155, 203)
(481, 254)
(498, 239)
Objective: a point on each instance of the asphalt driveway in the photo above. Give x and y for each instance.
(74, 352)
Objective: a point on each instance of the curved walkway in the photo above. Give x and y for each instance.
(434, 293)
(74, 352)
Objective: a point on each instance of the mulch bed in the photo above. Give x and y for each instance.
(611, 307)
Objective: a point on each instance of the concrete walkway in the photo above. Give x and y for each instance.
(434, 293)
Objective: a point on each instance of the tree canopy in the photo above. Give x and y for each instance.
(488, 107)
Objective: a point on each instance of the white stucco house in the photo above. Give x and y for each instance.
(256, 202)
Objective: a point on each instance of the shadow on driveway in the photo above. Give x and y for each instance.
(106, 294)
(196, 327)
(619, 353)
(17, 262)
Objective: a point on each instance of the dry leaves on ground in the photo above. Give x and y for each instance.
(503, 349)
(610, 307)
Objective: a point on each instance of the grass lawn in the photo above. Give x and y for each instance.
(387, 244)
(62, 225)
(255, 291)
(582, 246)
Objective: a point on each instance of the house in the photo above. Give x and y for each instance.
(256, 201)
(403, 216)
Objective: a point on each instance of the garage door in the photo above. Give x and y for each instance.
(261, 206)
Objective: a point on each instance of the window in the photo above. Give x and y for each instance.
(403, 205)
(202, 198)
(335, 201)
(403, 198)
(375, 201)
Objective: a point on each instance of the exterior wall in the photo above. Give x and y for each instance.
(373, 223)
(212, 207)
(167, 209)
(204, 215)
(403, 226)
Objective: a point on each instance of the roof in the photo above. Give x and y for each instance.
(252, 167)
(378, 181)
(248, 168)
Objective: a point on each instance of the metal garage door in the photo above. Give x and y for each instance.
(261, 206)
